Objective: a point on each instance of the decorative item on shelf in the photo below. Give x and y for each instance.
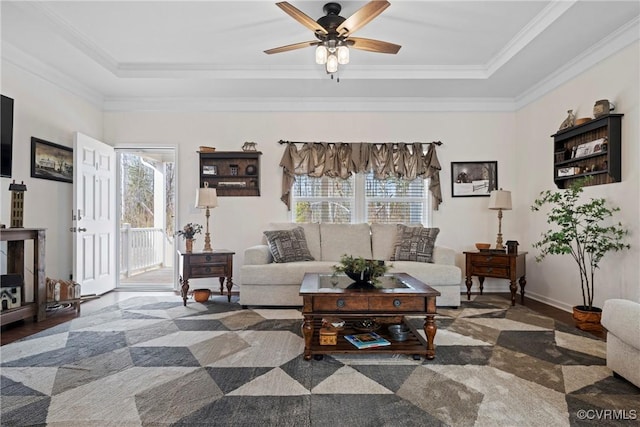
(251, 170)
(500, 200)
(364, 272)
(583, 229)
(201, 295)
(328, 336)
(604, 147)
(602, 107)
(582, 120)
(206, 198)
(205, 149)
(399, 332)
(480, 246)
(569, 121)
(188, 232)
(365, 325)
(512, 247)
(233, 169)
(17, 203)
(249, 146)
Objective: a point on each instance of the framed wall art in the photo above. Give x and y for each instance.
(51, 161)
(473, 179)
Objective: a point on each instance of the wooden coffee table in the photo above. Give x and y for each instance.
(400, 295)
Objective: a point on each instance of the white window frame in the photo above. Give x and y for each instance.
(359, 201)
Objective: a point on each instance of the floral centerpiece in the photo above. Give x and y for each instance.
(189, 231)
(362, 271)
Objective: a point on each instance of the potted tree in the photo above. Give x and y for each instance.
(586, 232)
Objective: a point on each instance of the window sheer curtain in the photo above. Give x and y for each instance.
(402, 160)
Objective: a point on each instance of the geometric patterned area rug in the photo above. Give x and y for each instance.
(150, 361)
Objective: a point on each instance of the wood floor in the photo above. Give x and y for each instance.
(24, 328)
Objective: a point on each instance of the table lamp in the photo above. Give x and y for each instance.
(500, 200)
(206, 198)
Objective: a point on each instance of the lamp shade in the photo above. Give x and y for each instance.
(206, 197)
(500, 199)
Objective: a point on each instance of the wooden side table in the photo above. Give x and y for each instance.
(15, 238)
(498, 265)
(196, 265)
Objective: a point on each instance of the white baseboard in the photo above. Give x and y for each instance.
(495, 288)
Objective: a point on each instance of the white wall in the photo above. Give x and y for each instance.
(556, 280)
(52, 114)
(237, 222)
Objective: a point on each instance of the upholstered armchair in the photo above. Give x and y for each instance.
(622, 320)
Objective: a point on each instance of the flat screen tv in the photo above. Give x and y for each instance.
(6, 142)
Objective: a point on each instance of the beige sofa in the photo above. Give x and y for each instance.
(622, 320)
(265, 283)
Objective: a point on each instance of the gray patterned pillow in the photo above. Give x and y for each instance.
(288, 245)
(414, 243)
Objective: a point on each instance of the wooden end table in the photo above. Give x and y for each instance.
(196, 265)
(401, 295)
(498, 265)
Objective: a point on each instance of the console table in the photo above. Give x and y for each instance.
(15, 238)
(196, 265)
(498, 265)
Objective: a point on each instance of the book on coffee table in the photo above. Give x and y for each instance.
(367, 340)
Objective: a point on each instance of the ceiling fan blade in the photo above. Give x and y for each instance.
(291, 47)
(373, 45)
(362, 16)
(301, 17)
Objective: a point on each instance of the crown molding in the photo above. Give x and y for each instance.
(316, 104)
(616, 41)
(533, 29)
(34, 66)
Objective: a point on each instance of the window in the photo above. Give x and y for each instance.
(361, 198)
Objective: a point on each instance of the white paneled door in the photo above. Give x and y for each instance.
(94, 214)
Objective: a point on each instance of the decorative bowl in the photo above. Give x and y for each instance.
(582, 121)
(365, 325)
(201, 295)
(483, 245)
(399, 332)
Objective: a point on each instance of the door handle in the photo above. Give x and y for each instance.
(81, 229)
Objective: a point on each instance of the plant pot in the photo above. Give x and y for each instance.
(201, 295)
(189, 245)
(587, 320)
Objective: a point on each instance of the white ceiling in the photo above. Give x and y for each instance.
(176, 54)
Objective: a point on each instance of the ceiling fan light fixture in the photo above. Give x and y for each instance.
(332, 44)
(343, 55)
(332, 64)
(321, 55)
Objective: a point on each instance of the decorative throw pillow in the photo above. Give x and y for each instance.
(414, 243)
(288, 245)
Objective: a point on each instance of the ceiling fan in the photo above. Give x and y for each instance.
(334, 33)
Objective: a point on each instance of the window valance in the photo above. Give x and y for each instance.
(342, 159)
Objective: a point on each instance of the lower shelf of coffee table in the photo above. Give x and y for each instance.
(414, 344)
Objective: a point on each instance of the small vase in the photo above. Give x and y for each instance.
(189, 245)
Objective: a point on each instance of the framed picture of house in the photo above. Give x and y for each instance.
(51, 161)
(473, 179)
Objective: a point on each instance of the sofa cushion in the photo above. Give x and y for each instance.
(311, 232)
(288, 245)
(383, 239)
(340, 239)
(282, 274)
(414, 243)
